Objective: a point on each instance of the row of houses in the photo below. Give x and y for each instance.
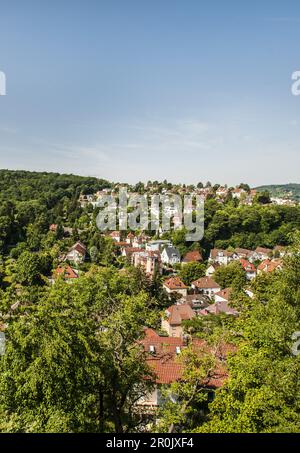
(205, 296)
(260, 253)
(202, 298)
(152, 255)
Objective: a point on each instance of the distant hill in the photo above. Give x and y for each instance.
(291, 191)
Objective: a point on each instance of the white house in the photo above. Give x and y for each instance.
(249, 268)
(222, 256)
(211, 269)
(207, 286)
(263, 253)
(170, 255)
(77, 253)
(175, 285)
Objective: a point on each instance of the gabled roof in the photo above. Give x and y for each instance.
(171, 252)
(66, 271)
(174, 283)
(215, 265)
(121, 244)
(205, 283)
(219, 307)
(263, 250)
(130, 250)
(224, 293)
(178, 313)
(247, 266)
(245, 252)
(214, 253)
(80, 248)
(164, 360)
(192, 256)
(270, 265)
(115, 234)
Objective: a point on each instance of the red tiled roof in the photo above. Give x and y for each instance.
(178, 313)
(205, 283)
(121, 244)
(269, 266)
(241, 251)
(130, 250)
(225, 293)
(165, 359)
(214, 253)
(219, 307)
(263, 250)
(66, 271)
(114, 234)
(174, 283)
(80, 248)
(192, 256)
(248, 267)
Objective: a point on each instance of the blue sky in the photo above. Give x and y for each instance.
(136, 90)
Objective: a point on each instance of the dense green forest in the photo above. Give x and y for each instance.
(73, 362)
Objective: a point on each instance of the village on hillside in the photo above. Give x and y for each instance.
(200, 297)
(173, 313)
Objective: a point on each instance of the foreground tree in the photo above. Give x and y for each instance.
(231, 275)
(185, 401)
(191, 271)
(72, 361)
(263, 391)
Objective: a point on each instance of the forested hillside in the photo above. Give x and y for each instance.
(282, 190)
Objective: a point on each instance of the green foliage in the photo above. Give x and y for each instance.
(282, 190)
(72, 361)
(231, 275)
(185, 401)
(190, 272)
(262, 197)
(262, 393)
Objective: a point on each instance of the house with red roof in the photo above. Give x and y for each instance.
(130, 237)
(115, 235)
(149, 261)
(175, 285)
(263, 253)
(163, 355)
(77, 253)
(67, 272)
(206, 285)
(128, 251)
(222, 256)
(269, 265)
(221, 304)
(194, 256)
(249, 268)
(211, 269)
(238, 192)
(172, 320)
